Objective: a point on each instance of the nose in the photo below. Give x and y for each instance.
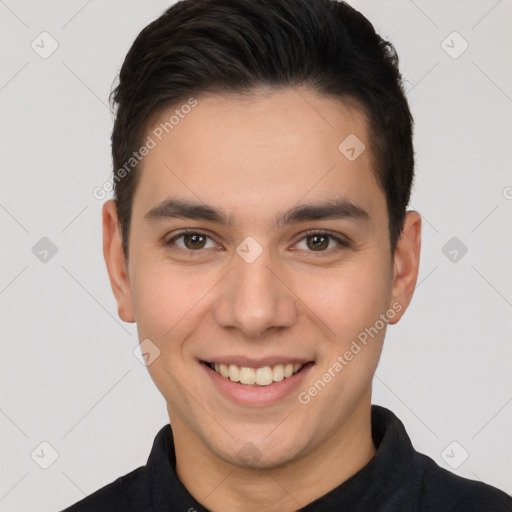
(255, 299)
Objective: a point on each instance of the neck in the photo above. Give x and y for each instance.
(221, 486)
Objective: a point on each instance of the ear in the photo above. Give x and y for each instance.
(115, 260)
(406, 262)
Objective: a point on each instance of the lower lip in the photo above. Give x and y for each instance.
(257, 395)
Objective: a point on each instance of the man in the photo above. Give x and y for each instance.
(260, 240)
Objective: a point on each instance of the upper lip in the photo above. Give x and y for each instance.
(250, 362)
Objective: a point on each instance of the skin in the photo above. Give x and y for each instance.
(253, 157)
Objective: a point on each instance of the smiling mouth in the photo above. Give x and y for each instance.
(263, 376)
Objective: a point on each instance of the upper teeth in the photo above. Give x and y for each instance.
(261, 376)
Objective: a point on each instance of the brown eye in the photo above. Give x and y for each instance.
(191, 241)
(318, 242)
(322, 242)
(194, 241)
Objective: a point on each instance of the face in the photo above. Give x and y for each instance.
(286, 267)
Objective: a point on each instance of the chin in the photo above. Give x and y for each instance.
(263, 452)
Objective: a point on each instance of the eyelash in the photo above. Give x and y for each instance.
(342, 244)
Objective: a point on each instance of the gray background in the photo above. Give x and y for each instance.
(68, 373)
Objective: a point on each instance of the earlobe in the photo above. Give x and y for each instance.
(115, 260)
(406, 263)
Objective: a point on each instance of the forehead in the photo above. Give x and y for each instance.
(260, 150)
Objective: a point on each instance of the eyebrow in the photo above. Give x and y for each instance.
(329, 209)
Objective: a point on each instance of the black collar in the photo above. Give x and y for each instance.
(393, 474)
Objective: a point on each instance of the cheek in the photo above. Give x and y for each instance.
(348, 299)
(168, 302)
(160, 299)
(154, 299)
(351, 303)
(167, 306)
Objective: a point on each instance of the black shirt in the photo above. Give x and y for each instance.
(396, 479)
